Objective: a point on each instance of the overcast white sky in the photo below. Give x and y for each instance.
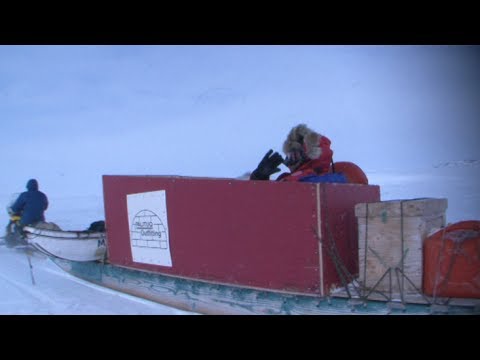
(70, 114)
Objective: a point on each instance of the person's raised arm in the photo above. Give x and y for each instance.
(268, 166)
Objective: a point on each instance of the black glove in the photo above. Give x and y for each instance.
(268, 166)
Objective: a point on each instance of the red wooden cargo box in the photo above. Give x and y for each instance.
(258, 234)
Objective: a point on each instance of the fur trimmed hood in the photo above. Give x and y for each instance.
(301, 137)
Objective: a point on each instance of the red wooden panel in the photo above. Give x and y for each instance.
(257, 234)
(339, 226)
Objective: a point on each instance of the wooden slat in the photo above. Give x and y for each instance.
(385, 236)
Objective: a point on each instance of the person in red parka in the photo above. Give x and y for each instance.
(308, 157)
(307, 153)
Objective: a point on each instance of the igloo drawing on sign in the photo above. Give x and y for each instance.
(148, 231)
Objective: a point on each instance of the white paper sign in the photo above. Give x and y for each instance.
(147, 220)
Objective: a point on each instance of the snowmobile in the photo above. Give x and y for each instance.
(14, 235)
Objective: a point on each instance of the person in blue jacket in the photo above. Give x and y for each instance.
(30, 205)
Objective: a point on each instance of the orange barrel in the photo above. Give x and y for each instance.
(352, 172)
(452, 261)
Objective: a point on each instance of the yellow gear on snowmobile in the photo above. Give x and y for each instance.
(15, 218)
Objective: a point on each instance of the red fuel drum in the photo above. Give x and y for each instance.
(258, 234)
(452, 261)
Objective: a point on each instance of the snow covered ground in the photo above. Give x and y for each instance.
(56, 292)
(45, 289)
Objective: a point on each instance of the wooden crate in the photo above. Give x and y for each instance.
(388, 229)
